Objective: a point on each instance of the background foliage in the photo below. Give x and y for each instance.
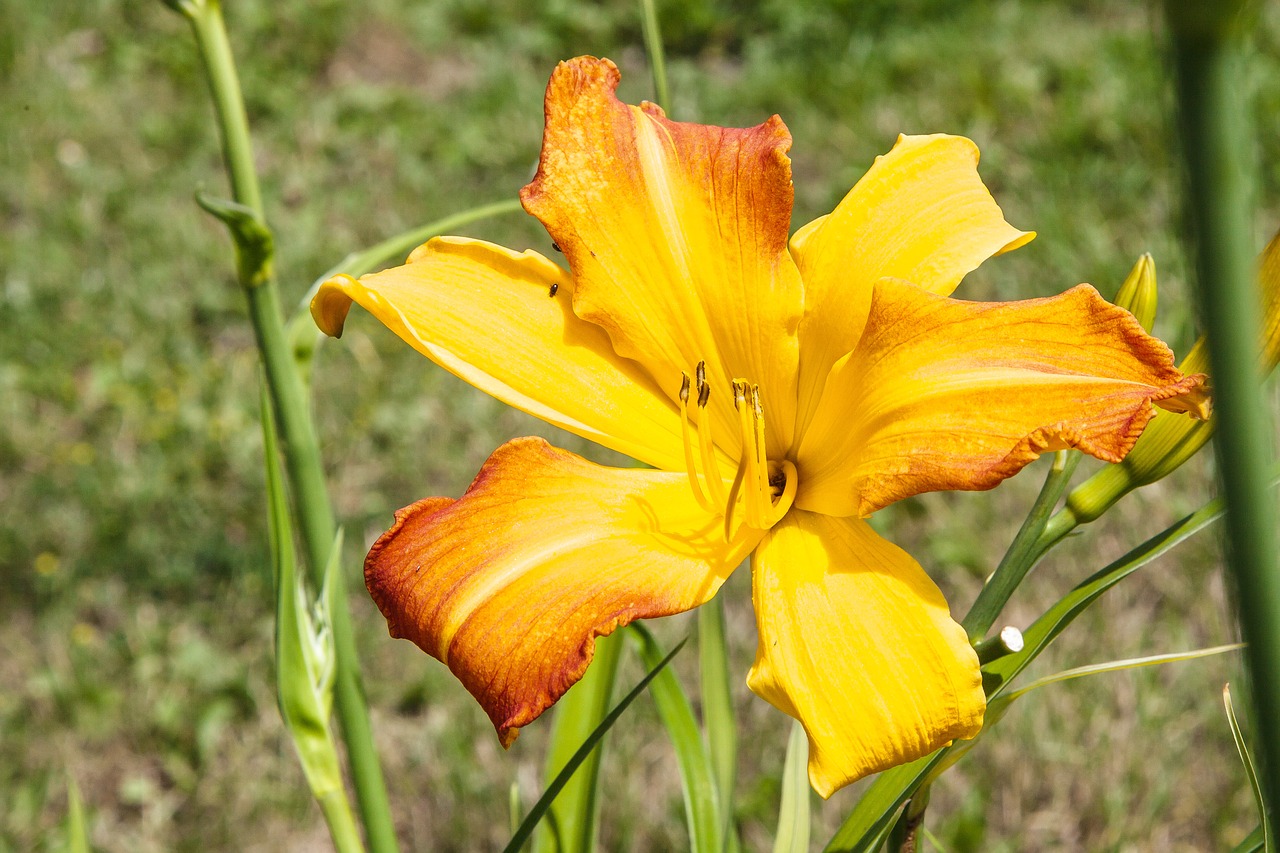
(135, 599)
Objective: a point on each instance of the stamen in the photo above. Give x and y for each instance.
(704, 389)
(756, 483)
(689, 466)
(762, 461)
(710, 467)
(739, 403)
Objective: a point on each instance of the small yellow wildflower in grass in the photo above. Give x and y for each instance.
(782, 391)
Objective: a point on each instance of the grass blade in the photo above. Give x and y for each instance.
(1118, 665)
(717, 711)
(573, 813)
(1250, 770)
(653, 47)
(548, 796)
(1252, 842)
(793, 813)
(702, 808)
(77, 829)
(874, 813)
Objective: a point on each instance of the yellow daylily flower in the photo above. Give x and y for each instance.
(782, 391)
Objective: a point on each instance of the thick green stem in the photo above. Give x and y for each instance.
(314, 516)
(1023, 552)
(1216, 145)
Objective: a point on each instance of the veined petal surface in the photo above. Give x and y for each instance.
(503, 322)
(677, 237)
(921, 213)
(856, 642)
(946, 394)
(511, 584)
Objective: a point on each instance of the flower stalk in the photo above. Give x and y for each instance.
(1207, 57)
(313, 514)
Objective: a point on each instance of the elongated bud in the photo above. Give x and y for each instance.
(1138, 294)
(1168, 440)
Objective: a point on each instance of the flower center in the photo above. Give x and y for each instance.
(765, 489)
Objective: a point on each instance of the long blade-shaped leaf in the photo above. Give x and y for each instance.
(548, 796)
(305, 656)
(1252, 842)
(874, 813)
(702, 808)
(77, 828)
(1250, 770)
(793, 813)
(717, 710)
(573, 814)
(1119, 665)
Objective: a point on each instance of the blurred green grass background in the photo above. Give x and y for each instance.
(135, 598)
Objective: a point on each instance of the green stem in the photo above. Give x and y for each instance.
(1215, 142)
(298, 438)
(342, 826)
(653, 46)
(1024, 551)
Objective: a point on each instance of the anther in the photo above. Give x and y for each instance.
(689, 465)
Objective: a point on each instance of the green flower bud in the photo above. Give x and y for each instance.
(1138, 294)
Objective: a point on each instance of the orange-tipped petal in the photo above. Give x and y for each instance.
(511, 584)
(921, 213)
(677, 237)
(856, 642)
(944, 394)
(503, 322)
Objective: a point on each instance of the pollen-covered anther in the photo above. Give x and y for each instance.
(687, 434)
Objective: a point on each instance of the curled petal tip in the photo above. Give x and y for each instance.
(331, 303)
(1191, 396)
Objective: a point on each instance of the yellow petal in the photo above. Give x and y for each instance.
(921, 213)
(490, 316)
(857, 644)
(511, 584)
(676, 234)
(945, 394)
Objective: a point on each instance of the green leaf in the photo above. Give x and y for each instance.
(1119, 665)
(255, 246)
(548, 796)
(301, 331)
(653, 47)
(874, 813)
(1252, 843)
(305, 655)
(77, 828)
(793, 812)
(1055, 620)
(702, 807)
(717, 711)
(1250, 770)
(577, 714)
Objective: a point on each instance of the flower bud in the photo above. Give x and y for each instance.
(1138, 293)
(1169, 440)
